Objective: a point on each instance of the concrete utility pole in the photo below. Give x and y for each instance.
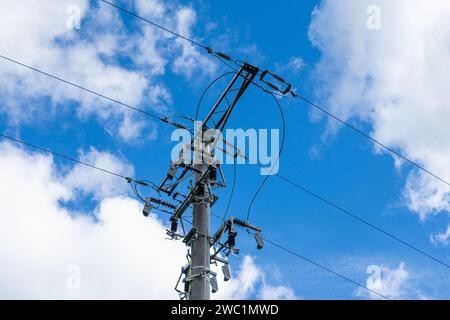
(200, 285)
(201, 244)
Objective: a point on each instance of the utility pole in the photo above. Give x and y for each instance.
(200, 248)
(200, 286)
(198, 278)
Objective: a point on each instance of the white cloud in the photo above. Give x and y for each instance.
(250, 281)
(48, 251)
(251, 52)
(293, 66)
(394, 78)
(425, 196)
(296, 64)
(41, 241)
(181, 19)
(36, 33)
(242, 284)
(46, 42)
(269, 292)
(97, 183)
(392, 283)
(441, 238)
(190, 59)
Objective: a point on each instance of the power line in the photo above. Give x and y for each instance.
(197, 110)
(352, 215)
(280, 109)
(279, 246)
(325, 268)
(128, 179)
(384, 146)
(221, 56)
(156, 25)
(295, 95)
(322, 198)
(233, 187)
(302, 188)
(283, 125)
(164, 119)
(343, 210)
(356, 217)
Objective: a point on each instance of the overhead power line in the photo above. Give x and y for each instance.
(154, 116)
(351, 214)
(377, 142)
(69, 158)
(128, 179)
(297, 255)
(362, 220)
(283, 126)
(321, 198)
(155, 24)
(224, 59)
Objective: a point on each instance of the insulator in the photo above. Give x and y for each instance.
(174, 226)
(240, 222)
(226, 272)
(186, 286)
(259, 241)
(167, 204)
(223, 56)
(213, 281)
(213, 174)
(287, 86)
(147, 209)
(161, 202)
(142, 183)
(231, 239)
(244, 224)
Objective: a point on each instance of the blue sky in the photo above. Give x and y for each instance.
(332, 161)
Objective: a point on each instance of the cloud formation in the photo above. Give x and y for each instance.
(50, 251)
(250, 281)
(85, 180)
(392, 283)
(392, 74)
(442, 238)
(91, 57)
